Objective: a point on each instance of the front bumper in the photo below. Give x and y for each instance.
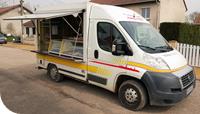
(167, 89)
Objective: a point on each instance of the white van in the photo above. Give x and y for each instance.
(113, 48)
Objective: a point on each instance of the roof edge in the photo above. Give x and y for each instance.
(125, 3)
(135, 3)
(14, 7)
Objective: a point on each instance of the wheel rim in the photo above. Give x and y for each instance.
(131, 95)
(53, 73)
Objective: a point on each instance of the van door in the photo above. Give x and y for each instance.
(103, 66)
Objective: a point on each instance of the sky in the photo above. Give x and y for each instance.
(193, 5)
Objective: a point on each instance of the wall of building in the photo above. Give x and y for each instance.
(172, 11)
(12, 27)
(29, 38)
(154, 11)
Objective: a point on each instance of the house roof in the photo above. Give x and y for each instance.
(29, 24)
(4, 10)
(122, 2)
(127, 2)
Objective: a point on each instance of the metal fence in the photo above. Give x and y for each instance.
(191, 53)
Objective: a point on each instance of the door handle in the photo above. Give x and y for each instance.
(96, 54)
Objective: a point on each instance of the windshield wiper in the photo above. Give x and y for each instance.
(147, 47)
(164, 47)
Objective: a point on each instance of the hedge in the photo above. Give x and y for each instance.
(10, 38)
(181, 32)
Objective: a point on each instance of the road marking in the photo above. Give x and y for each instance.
(4, 109)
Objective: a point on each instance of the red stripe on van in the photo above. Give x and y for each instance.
(122, 67)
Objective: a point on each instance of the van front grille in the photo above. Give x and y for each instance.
(187, 79)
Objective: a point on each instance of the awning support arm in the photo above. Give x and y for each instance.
(76, 39)
(70, 26)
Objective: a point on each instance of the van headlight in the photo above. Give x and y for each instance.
(156, 62)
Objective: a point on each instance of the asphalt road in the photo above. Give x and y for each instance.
(26, 90)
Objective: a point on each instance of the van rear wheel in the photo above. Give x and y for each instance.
(54, 74)
(132, 95)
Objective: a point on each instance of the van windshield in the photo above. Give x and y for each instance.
(146, 37)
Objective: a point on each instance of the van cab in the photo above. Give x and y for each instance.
(113, 48)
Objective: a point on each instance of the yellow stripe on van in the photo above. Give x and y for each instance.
(149, 68)
(99, 70)
(65, 62)
(73, 64)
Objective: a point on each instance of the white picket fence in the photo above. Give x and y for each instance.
(191, 53)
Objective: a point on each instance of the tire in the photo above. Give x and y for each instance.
(54, 75)
(132, 95)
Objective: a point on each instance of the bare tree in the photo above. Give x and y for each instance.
(192, 17)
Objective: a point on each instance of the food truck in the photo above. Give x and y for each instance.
(113, 48)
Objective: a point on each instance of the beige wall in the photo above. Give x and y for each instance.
(165, 11)
(172, 11)
(154, 12)
(12, 27)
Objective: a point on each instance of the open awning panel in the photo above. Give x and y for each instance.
(43, 15)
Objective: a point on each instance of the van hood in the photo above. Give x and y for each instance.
(174, 59)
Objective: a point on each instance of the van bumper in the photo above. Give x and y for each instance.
(166, 89)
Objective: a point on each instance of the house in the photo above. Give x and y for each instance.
(29, 32)
(14, 27)
(155, 11)
(197, 19)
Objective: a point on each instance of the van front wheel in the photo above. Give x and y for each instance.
(132, 95)
(54, 74)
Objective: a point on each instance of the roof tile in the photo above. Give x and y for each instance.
(7, 9)
(29, 24)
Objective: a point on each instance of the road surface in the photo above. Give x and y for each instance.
(26, 90)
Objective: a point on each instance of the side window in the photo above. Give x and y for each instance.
(106, 34)
(146, 13)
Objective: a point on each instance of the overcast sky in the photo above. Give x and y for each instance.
(193, 5)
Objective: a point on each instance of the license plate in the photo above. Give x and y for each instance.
(189, 90)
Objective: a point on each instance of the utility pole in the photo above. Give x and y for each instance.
(22, 13)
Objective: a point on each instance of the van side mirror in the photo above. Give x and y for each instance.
(119, 48)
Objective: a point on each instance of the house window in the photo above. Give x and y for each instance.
(27, 31)
(34, 31)
(146, 13)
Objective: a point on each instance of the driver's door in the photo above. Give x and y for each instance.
(103, 66)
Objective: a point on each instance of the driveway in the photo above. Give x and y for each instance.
(26, 90)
